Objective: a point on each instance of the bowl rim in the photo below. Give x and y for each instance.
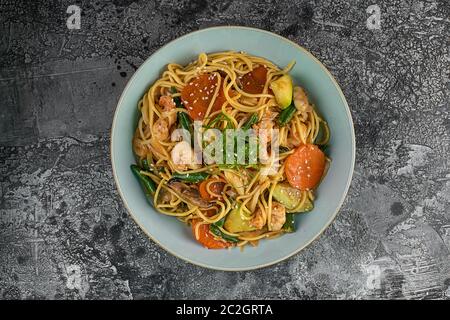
(347, 185)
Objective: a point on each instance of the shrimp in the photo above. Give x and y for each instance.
(183, 156)
(278, 217)
(168, 106)
(161, 129)
(301, 100)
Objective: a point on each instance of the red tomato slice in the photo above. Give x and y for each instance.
(304, 168)
(254, 81)
(206, 238)
(197, 95)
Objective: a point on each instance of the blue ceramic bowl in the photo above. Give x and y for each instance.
(174, 236)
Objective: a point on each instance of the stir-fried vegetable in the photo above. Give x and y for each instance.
(282, 89)
(206, 238)
(197, 95)
(185, 121)
(289, 225)
(235, 222)
(304, 168)
(145, 165)
(286, 115)
(190, 177)
(251, 121)
(249, 159)
(147, 183)
(254, 81)
(291, 198)
(261, 204)
(183, 118)
(215, 229)
(150, 167)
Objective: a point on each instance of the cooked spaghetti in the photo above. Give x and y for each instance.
(234, 202)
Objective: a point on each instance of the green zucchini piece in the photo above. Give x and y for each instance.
(283, 89)
(235, 222)
(291, 198)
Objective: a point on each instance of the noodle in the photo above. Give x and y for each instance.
(229, 88)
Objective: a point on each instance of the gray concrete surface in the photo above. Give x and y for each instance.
(64, 233)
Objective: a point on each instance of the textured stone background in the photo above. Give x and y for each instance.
(64, 233)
